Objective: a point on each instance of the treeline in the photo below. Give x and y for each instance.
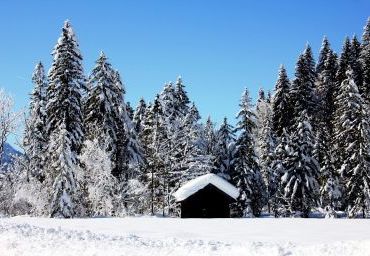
(88, 153)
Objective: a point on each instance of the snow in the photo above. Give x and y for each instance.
(25, 236)
(200, 182)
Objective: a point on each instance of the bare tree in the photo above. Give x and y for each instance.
(8, 119)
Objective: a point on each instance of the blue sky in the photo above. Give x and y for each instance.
(218, 47)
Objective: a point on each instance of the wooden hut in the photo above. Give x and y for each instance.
(207, 196)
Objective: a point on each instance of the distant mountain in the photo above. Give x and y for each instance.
(9, 153)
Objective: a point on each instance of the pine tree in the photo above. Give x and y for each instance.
(100, 112)
(330, 189)
(129, 150)
(365, 61)
(225, 147)
(181, 97)
(168, 100)
(261, 112)
(63, 163)
(344, 61)
(64, 121)
(151, 137)
(278, 169)
(139, 115)
(303, 88)
(247, 176)
(209, 137)
(120, 169)
(324, 51)
(281, 104)
(352, 137)
(35, 140)
(356, 64)
(326, 91)
(299, 184)
(266, 146)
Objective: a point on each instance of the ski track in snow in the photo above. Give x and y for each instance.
(37, 236)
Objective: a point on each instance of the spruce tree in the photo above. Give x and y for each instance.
(302, 91)
(100, 113)
(247, 176)
(129, 156)
(168, 100)
(325, 49)
(343, 62)
(281, 104)
(153, 136)
(35, 140)
(266, 146)
(356, 64)
(63, 162)
(139, 115)
(326, 91)
(299, 184)
(330, 189)
(64, 122)
(365, 61)
(352, 137)
(181, 97)
(209, 137)
(278, 169)
(225, 147)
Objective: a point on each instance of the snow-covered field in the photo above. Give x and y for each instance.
(151, 236)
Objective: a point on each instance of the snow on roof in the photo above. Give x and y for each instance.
(200, 182)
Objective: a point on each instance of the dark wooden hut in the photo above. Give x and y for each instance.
(208, 196)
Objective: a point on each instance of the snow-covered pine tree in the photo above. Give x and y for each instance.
(278, 166)
(193, 116)
(299, 184)
(209, 139)
(35, 140)
(168, 100)
(330, 189)
(326, 88)
(182, 100)
(352, 137)
(120, 169)
(261, 111)
(129, 147)
(191, 161)
(343, 62)
(139, 115)
(179, 144)
(356, 64)
(302, 91)
(224, 149)
(63, 163)
(281, 104)
(100, 109)
(266, 146)
(365, 61)
(151, 137)
(246, 175)
(64, 122)
(324, 51)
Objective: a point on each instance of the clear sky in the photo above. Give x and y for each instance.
(218, 47)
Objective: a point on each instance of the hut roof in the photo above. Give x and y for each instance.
(193, 186)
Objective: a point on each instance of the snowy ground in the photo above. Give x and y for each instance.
(176, 237)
